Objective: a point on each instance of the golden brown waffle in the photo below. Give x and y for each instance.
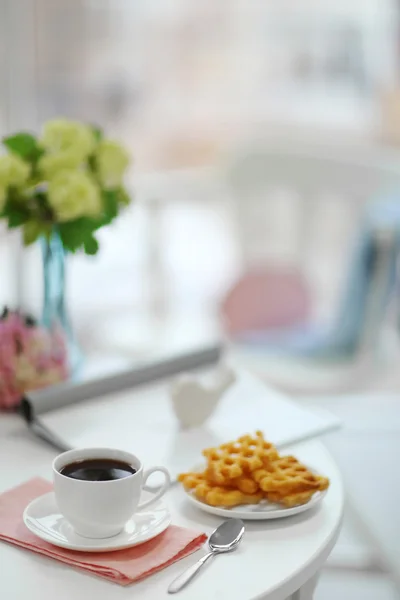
(216, 495)
(234, 460)
(292, 499)
(191, 480)
(244, 483)
(250, 470)
(285, 476)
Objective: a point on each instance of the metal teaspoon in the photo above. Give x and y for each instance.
(224, 539)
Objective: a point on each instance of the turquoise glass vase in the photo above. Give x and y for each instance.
(55, 316)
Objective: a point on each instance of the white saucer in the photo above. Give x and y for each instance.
(44, 519)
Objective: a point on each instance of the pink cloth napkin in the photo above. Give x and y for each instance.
(122, 566)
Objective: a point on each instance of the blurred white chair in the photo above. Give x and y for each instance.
(308, 178)
(300, 205)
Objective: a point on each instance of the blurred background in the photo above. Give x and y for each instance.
(266, 145)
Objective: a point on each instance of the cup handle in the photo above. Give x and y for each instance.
(160, 492)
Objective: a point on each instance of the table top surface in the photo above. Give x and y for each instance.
(274, 559)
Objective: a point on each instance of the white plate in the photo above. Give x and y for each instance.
(43, 518)
(257, 512)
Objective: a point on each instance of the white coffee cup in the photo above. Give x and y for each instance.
(100, 509)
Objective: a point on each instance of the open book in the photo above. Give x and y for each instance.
(142, 420)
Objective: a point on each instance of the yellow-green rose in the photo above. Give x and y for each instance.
(74, 194)
(111, 160)
(52, 164)
(2, 199)
(62, 135)
(13, 171)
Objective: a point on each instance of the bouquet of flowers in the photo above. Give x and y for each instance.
(68, 180)
(61, 186)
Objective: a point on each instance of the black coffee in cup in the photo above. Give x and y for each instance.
(98, 469)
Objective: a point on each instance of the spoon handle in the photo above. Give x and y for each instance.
(184, 578)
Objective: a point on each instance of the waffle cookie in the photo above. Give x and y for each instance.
(249, 470)
(216, 495)
(235, 460)
(286, 475)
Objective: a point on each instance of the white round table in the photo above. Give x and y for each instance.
(277, 559)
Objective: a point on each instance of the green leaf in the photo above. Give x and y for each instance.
(31, 231)
(43, 210)
(98, 132)
(91, 245)
(123, 197)
(110, 203)
(16, 214)
(23, 144)
(75, 233)
(16, 218)
(92, 163)
(37, 153)
(111, 206)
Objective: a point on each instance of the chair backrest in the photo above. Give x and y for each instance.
(301, 205)
(316, 169)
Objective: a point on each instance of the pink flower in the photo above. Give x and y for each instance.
(30, 358)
